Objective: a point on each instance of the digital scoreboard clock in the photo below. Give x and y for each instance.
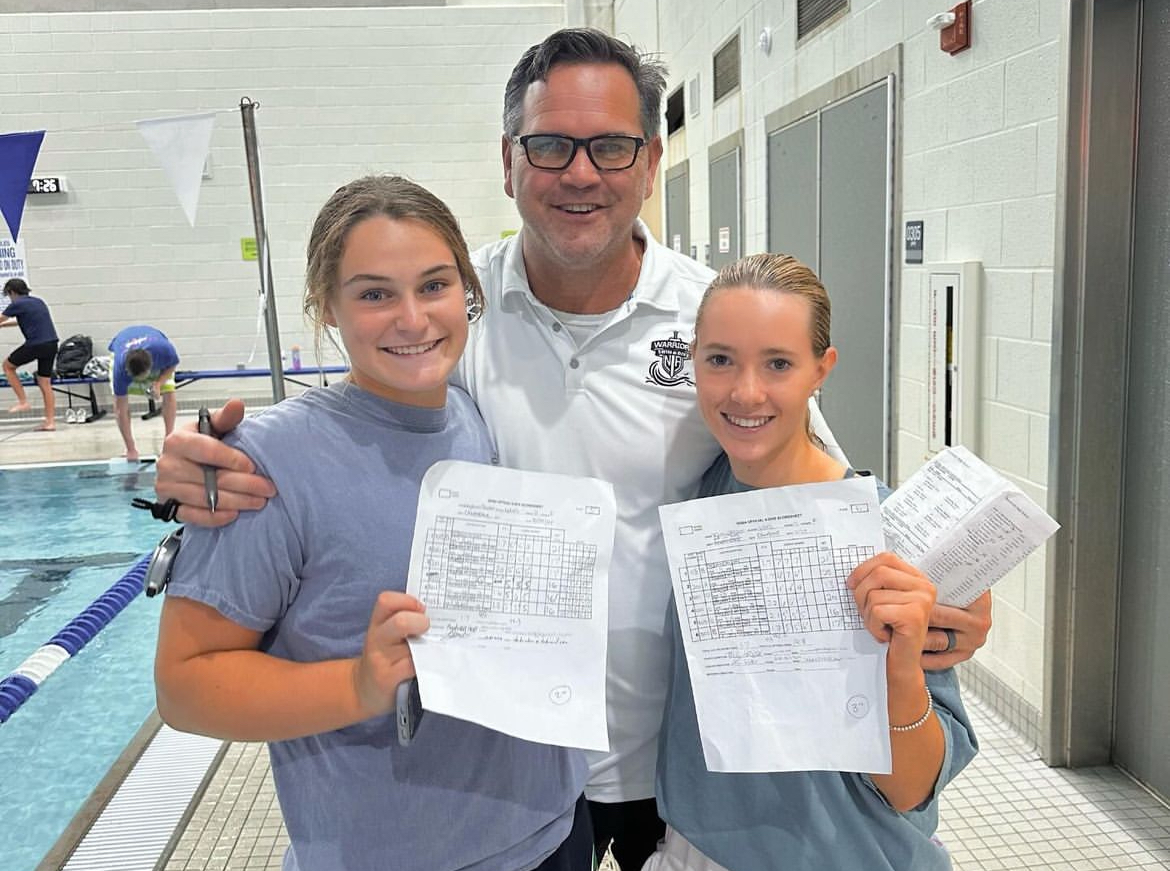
(48, 184)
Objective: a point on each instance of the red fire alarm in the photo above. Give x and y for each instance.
(957, 36)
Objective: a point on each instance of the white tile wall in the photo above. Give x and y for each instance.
(342, 92)
(978, 165)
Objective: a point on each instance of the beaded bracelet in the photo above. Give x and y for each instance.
(920, 720)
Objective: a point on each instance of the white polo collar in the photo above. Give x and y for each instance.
(654, 287)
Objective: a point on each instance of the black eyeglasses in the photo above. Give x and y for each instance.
(609, 152)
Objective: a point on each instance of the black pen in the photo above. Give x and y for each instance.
(209, 483)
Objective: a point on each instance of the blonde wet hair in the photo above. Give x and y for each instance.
(782, 273)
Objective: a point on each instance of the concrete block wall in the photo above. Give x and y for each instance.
(342, 92)
(978, 151)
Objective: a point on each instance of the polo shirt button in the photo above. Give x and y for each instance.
(574, 363)
(556, 326)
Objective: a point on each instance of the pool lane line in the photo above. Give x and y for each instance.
(26, 678)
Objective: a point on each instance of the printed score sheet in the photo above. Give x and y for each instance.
(513, 569)
(784, 674)
(963, 524)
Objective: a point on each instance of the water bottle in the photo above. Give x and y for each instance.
(296, 356)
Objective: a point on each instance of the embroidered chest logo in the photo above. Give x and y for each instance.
(669, 370)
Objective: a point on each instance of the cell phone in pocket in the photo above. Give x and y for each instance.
(408, 710)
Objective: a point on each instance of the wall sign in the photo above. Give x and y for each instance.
(914, 230)
(12, 260)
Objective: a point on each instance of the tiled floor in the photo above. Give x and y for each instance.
(1006, 811)
(237, 824)
(1009, 810)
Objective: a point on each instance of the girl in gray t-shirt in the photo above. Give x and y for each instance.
(290, 625)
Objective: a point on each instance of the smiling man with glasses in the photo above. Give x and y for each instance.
(580, 365)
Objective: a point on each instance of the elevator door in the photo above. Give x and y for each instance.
(1142, 726)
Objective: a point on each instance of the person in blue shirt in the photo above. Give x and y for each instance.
(144, 363)
(40, 343)
(761, 349)
(290, 625)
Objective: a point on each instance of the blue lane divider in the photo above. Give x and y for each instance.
(18, 686)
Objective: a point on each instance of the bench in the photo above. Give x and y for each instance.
(185, 377)
(182, 379)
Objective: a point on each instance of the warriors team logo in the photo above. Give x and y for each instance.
(669, 370)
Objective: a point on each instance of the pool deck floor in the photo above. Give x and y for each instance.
(1007, 810)
(21, 444)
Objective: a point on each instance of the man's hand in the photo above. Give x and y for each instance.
(180, 472)
(970, 626)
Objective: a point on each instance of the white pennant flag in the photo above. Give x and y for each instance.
(181, 145)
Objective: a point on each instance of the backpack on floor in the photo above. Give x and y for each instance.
(72, 355)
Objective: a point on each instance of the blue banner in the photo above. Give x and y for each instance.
(18, 156)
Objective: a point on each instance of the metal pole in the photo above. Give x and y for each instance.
(251, 150)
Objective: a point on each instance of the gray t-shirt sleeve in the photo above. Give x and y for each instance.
(249, 570)
(959, 747)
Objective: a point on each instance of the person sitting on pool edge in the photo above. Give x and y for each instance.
(144, 363)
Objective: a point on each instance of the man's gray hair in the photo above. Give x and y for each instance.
(585, 45)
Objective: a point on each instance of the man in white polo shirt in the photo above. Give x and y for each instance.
(581, 365)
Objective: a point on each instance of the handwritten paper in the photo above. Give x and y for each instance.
(513, 569)
(785, 677)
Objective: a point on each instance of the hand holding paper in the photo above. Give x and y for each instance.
(385, 661)
(785, 675)
(513, 570)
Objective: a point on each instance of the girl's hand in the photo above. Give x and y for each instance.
(385, 661)
(895, 600)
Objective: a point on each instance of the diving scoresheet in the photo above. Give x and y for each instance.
(513, 569)
(785, 677)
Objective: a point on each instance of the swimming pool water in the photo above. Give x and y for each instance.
(67, 534)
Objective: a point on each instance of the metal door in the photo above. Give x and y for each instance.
(726, 206)
(793, 202)
(678, 208)
(1142, 724)
(829, 190)
(854, 264)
